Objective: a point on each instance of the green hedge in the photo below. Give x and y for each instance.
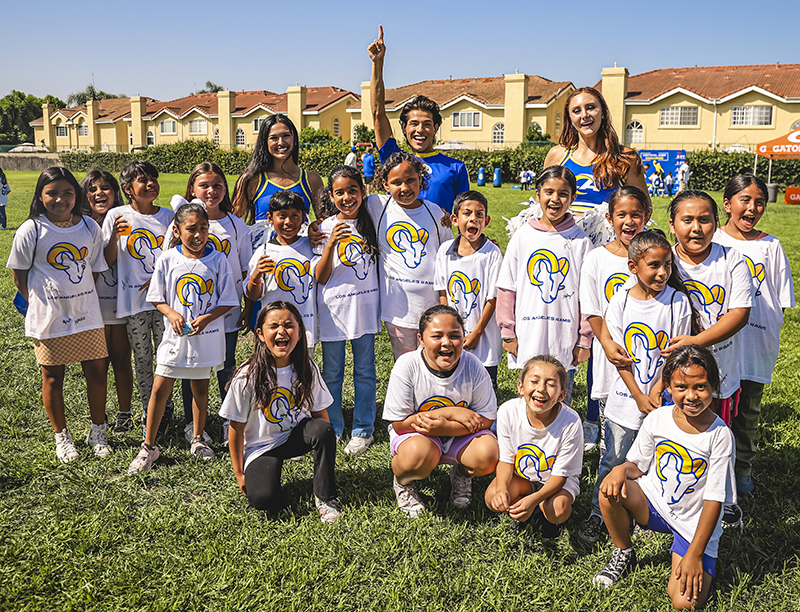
(181, 157)
(711, 170)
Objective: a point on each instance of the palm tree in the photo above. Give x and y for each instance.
(210, 88)
(90, 93)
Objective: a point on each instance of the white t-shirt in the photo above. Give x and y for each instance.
(408, 240)
(717, 285)
(268, 428)
(293, 280)
(193, 287)
(469, 283)
(137, 254)
(348, 304)
(683, 470)
(230, 236)
(413, 388)
(602, 275)
(544, 269)
(643, 328)
(537, 454)
(62, 298)
(773, 290)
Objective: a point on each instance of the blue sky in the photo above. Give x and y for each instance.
(169, 48)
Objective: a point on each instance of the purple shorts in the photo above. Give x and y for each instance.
(449, 458)
(680, 545)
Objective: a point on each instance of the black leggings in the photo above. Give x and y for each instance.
(262, 478)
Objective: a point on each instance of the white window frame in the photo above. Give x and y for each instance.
(257, 124)
(467, 119)
(336, 127)
(216, 136)
(61, 131)
(150, 138)
(198, 126)
(499, 134)
(752, 116)
(164, 129)
(679, 116)
(558, 124)
(537, 124)
(83, 130)
(130, 139)
(240, 140)
(634, 132)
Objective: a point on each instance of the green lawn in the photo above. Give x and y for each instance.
(85, 536)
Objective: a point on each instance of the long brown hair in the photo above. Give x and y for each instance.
(613, 161)
(209, 168)
(260, 366)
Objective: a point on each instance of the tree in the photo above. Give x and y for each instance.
(535, 134)
(210, 87)
(17, 110)
(364, 134)
(313, 136)
(90, 93)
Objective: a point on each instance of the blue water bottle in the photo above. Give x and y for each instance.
(498, 182)
(481, 177)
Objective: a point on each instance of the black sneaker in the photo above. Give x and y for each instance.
(622, 562)
(166, 420)
(124, 423)
(548, 530)
(592, 529)
(732, 517)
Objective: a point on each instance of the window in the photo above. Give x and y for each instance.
(537, 126)
(499, 133)
(336, 127)
(83, 130)
(130, 138)
(679, 115)
(355, 133)
(151, 138)
(197, 126)
(61, 130)
(168, 127)
(467, 119)
(795, 125)
(558, 124)
(751, 115)
(216, 136)
(240, 137)
(257, 124)
(634, 133)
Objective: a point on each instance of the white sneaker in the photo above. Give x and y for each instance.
(328, 511)
(97, 440)
(65, 447)
(201, 449)
(358, 445)
(408, 499)
(144, 460)
(590, 432)
(188, 433)
(460, 488)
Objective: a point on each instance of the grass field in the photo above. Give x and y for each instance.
(85, 536)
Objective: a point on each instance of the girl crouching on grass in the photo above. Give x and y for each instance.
(277, 407)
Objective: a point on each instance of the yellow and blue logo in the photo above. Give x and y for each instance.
(439, 401)
(677, 470)
(709, 300)
(69, 259)
(294, 277)
(463, 292)
(223, 246)
(351, 253)
(532, 463)
(613, 283)
(644, 346)
(757, 273)
(548, 273)
(281, 410)
(408, 240)
(191, 289)
(145, 247)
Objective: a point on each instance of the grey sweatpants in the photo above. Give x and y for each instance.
(145, 330)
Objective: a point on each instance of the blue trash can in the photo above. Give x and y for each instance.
(481, 177)
(497, 182)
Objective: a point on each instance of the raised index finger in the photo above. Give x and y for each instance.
(380, 33)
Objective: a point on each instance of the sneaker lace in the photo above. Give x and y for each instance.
(618, 563)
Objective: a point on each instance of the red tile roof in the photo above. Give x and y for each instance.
(709, 82)
(486, 90)
(317, 98)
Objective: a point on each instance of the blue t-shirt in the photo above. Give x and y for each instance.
(369, 164)
(448, 176)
